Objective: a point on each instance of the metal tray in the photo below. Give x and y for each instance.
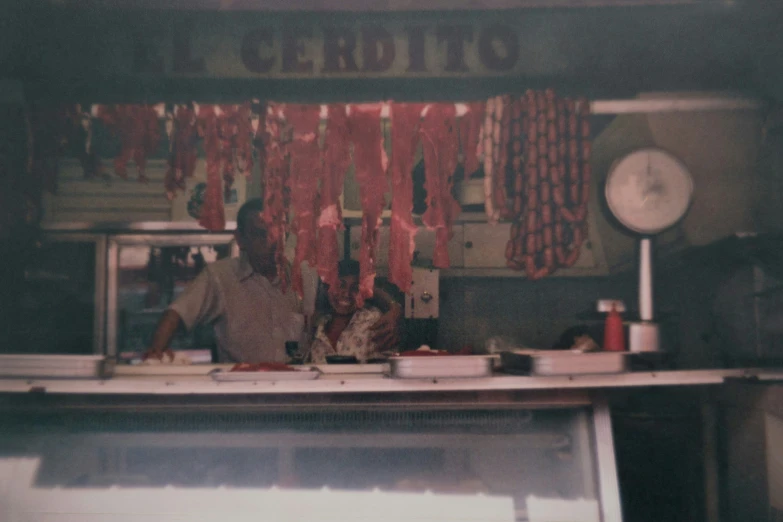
(441, 366)
(562, 362)
(55, 366)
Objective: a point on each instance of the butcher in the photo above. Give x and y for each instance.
(244, 301)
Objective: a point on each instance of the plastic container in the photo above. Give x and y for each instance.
(55, 366)
(442, 366)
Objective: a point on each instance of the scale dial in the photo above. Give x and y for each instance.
(649, 190)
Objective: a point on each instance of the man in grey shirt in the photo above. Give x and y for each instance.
(242, 297)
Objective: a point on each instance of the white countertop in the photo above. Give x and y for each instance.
(375, 383)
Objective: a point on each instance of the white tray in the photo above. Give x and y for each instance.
(57, 366)
(441, 366)
(328, 369)
(305, 374)
(577, 363)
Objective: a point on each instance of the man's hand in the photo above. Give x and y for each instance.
(386, 330)
(167, 327)
(158, 353)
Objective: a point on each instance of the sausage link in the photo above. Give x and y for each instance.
(543, 169)
(552, 155)
(542, 148)
(573, 125)
(573, 193)
(585, 128)
(586, 150)
(586, 174)
(518, 204)
(554, 175)
(546, 214)
(516, 162)
(573, 172)
(545, 190)
(539, 242)
(585, 194)
(519, 184)
(561, 147)
(532, 221)
(532, 131)
(547, 236)
(532, 199)
(532, 155)
(541, 123)
(530, 244)
(551, 133)
(573, 149)
(558, 195)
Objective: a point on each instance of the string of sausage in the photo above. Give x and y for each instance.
(550, 154)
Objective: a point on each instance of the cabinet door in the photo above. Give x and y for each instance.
(485, 247)
(425, 246)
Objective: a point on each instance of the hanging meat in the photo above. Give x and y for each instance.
(182, 129)
(227, 130)
(305, 153)
(469, 130)
(136, 126)
(336, 159)
(212, 212)
(81, 139)
(440, 142)
(370, 162)
(277, 190)
(242, 145)
(405, 118)
(550, 154)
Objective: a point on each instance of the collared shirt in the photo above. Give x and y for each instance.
(354, 340)
(252, 317)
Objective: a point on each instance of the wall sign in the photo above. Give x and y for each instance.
(232, 46)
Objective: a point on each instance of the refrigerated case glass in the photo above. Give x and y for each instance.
(62, 302)
(146, 274)
(528, 455)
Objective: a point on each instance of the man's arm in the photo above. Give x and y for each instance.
(168, 325)
(386, 331)
(198, 303)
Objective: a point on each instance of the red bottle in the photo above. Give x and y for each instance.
(614, 335)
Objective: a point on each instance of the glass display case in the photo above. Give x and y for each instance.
(543, 458)
(62, 305)
(145, 274)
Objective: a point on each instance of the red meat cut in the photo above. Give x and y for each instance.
(305, 173)
(337, 158)
(370, 162)
(440, 143)
(405, 118)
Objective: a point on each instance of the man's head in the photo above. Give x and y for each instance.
(252, 237)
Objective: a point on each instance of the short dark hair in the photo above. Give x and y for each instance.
(348, 267)
(250, 207)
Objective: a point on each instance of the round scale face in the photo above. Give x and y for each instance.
(648, 190)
